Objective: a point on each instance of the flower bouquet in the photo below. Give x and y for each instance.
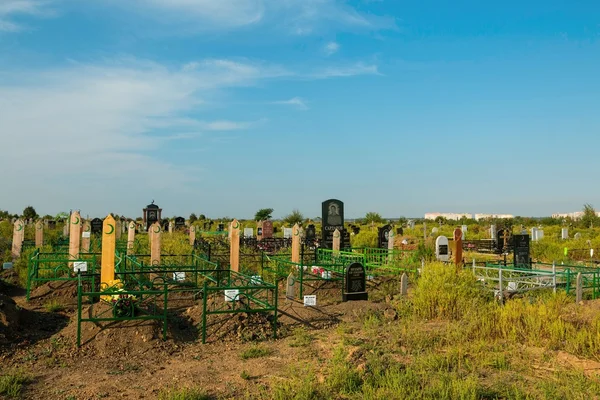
(123, 305)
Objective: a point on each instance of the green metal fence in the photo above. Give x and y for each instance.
(229, 292)
(122, 305)
(275, 268)
(46, 267)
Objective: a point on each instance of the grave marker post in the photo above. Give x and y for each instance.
(404, 284)
(579, 288)
(390, 245)
(86, 237)
(18, 236)
(155, 233)
(171, 225)
(458, 242)
(441, 249)
(74, 236)
(290, 290)
(130, 237)
(234, 246)
(336, 240)
(39, 234)
(118, 229)
(109, 242)
(192, 235)
(296, 244)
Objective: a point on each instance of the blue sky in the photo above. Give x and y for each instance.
(224, 107)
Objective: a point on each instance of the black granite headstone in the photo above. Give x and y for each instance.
(311, 233)
(221, 228)
(332, 219)
(521, 256)
(383, 236)
(179, 223)
(355, 287)
(96, 226)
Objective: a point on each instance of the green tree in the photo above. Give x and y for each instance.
(295, 217)
(202, 217)
(263, 214)
(193, 218)
(373, 217)
(589, 218)
(29, 212)
(440, 219)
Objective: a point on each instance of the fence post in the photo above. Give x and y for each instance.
(579, 289)
(500, 286)
(554, 276)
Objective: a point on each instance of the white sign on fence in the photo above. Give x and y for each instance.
(231, 294)
(80, 266)
(310, 300)
(179, 276)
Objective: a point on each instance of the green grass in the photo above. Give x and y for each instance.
(11, 384)
(255, 351)
(301, 338)
(54, 306)
(184, 394)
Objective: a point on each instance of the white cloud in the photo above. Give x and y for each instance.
(331, 48)
(11, 9)
(295, 101)
(346, 71)
(301, 17)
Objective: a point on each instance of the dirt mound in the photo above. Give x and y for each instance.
(64, 292)
(9, 318)
(117, 338)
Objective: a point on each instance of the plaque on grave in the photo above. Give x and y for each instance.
(383, 236)
(151, 214)
(179, 223)
(259, 231)
(96, 226)
(332, 219)
(521, 245)
(267, 231)
(355, 287)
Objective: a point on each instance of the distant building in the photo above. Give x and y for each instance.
(449, 216)
(496, 216)
(574, 215)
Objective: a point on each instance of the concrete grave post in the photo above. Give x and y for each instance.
(564, 233)
(171, 225)
(18, 237)
(493, 232)
(290, 289)
(74, 236)
(39, 234)
(296, 244)
(192, 235)
(579, 288)
(130, 237)
(109, 242)
(118, 229)
(86, 235)
(404, 284)
(234, 246)
(155, 236)
(336, 240)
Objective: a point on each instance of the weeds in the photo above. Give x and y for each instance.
(255, 351)
(183, 394)
(53, 306)
(11, 384)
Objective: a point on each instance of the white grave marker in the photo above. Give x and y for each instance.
(179, 276)
(231, 294)
(441, 249)
(248, 232)
(564, 233)
(310, 300)
(80, 266)
(287, 233)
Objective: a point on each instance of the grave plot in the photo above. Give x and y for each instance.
(507, 281)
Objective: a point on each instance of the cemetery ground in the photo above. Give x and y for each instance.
(446, 339)
(449, 337)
